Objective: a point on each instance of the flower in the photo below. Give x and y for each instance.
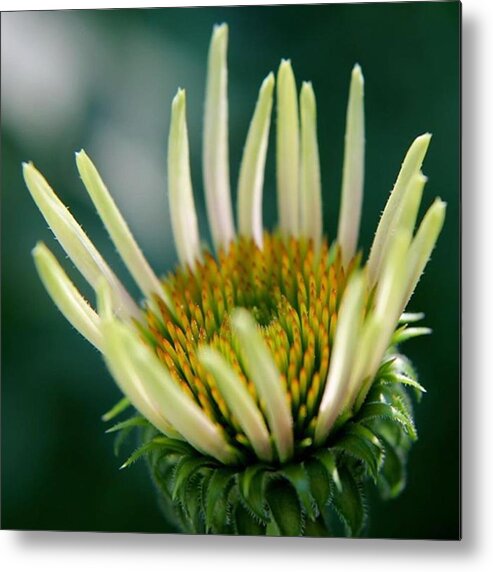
(264, 353)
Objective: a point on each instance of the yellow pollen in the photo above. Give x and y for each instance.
(292, 291)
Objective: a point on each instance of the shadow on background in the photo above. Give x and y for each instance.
(104, 80)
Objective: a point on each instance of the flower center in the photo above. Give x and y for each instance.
(294, 294)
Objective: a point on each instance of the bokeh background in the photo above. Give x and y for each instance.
(104, 80)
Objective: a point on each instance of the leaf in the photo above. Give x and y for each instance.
(386, 366)
(123, 404)
(349, 503)
(380, 409)
(193, 502)
(403, 365)
(174, 446)
(327, 458)
(245, 524)
(392, 477)
(404, 406)
(138, 453)
(251, 484)
(316, 529)
(377, 392)
(272, 528)
(185, 469)
(398, 371)
(397, 396)
(163, 471)
(320, 482)
(404, 333)
(298, 477)
(405, 380)
(137, 421)
(361, 443)
(120, 439)
(215, 498)
(284, 507)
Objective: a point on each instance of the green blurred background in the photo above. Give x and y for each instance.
(104, 80)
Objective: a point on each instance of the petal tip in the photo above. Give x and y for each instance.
(269, 81)
(285, 66)
(220, 32)
(179, 100)
(423, 140)
(357, 71)
(39, 249)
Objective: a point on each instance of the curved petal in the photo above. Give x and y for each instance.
(75, 242)
(118, 229)
(310, 183)
(181, 203)
(251, 178)
(353, 168)
(66, 296)
(239, 401)
(263, 372)
(216, 152)
(287, 151)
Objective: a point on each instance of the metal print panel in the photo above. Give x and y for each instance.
(257, 241)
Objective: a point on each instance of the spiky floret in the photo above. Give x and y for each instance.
(264, 374)
(293, 293)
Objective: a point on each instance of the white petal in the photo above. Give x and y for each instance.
(181, 203)
(409, 317)
(215, 151)
(118, 229)
(239, 400)
(353, 171)
(410, 166)
(153, 391)
(287, 151)
(66, 296)
(423, 244)
(404, 216)
(371, 333)
(103, 300)
(251, 178)
(392, 282)
(345, 343)
(409, 207)
(389, 297)
(262, 370)
(75, 242)
(132, 381)
(310, 182)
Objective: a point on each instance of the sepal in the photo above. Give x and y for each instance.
(285, 509)
(350, 503)
(251, 485)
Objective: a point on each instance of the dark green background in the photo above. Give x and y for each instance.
(58, 468)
